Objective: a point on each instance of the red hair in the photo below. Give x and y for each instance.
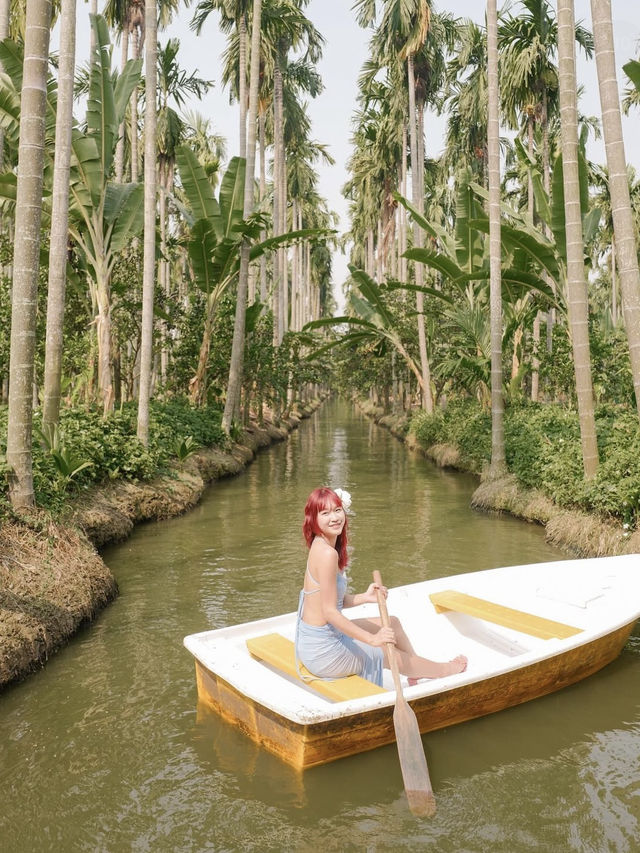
(319, 499)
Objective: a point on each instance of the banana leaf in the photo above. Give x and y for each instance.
(232, 195)
(12, 58)
(200, 248)
(9, 112)
(541, 253)
(444, 265)
(101, 108)
(469, 244)
(87, 177)
(198, 189)
(124, 212)
(126, 83)
(632, 70)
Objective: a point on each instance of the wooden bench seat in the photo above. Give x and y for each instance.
(278, 652)
(527, 623)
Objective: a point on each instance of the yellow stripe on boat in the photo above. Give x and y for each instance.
(518, 620)
(278, 652)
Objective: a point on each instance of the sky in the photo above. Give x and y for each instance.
(345, 51)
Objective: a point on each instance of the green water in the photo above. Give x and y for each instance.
(104, 749)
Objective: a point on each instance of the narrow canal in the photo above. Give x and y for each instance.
(104, 750)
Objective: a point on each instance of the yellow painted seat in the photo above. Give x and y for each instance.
(278, 652)
(518, 620)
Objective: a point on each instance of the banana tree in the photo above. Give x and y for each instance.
(216, 229)
(103, 215)
(460, 258)
(372, 320)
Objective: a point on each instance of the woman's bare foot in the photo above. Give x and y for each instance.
(451, 667)
(457, 664)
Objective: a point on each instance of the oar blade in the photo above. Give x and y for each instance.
(413, 762)
(415, 773)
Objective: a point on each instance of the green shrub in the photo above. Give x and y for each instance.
(87, 449)
(428, 429)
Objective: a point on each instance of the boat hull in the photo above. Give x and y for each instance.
(308, 744)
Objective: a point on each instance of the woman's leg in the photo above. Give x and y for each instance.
(409, 663)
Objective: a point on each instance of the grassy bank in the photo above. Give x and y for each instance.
(545, 484)
(52, 579)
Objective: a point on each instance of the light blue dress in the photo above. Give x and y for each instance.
(327, 652)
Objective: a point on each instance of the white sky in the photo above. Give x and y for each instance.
(345, 51)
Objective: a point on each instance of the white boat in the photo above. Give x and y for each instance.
(526, 630)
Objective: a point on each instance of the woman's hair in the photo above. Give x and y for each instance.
(319, 499)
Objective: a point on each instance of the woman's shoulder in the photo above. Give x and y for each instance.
(321, 554)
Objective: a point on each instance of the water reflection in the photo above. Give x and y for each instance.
(106, 750)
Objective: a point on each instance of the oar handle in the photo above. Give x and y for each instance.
(391, 649)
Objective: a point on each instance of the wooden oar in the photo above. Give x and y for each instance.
(413, 762)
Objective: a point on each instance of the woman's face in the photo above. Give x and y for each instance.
(330, 520)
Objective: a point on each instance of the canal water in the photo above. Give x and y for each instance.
(105, 749)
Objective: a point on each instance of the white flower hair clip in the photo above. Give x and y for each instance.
(345, 497)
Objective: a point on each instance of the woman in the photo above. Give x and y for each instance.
(329, 644)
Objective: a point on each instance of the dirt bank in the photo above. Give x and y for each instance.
(52, 579)
(577, 532)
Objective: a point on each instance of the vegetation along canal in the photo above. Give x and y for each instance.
(105, 750)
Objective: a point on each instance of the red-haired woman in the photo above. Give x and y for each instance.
(329, 644)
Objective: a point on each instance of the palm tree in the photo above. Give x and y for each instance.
(285, 28)
(627, 251)
(150, 179)
(237, 348)
(466, 134)
(174, 85)
(26, 255)
(577, 302)
(129, 17)
(498, 458)
(234, 15)
(402, 33)
(209, 147)
(5, 9)
(59, 216)
(528, 48)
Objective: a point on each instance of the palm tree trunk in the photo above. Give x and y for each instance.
(163, 266)
(418, 202)
(93, 10)
(614, 284)
(295, 272)
(498, 464)
(149, 261)
(263, 189)
(576, 280)
(59, 215)
(242, 82)
(277, 218)
(535, 361)
(403, 212)
(546, 177)
(119, 158)
(627, 257)
(237, 348)
(26, 252)
(5, 7)
(284, 262)
(133, 109)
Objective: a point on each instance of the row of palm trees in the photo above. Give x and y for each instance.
(518, 73)
(108, 192)
(536, 214)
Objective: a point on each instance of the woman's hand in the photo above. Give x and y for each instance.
(371, 595)
(383, 636)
